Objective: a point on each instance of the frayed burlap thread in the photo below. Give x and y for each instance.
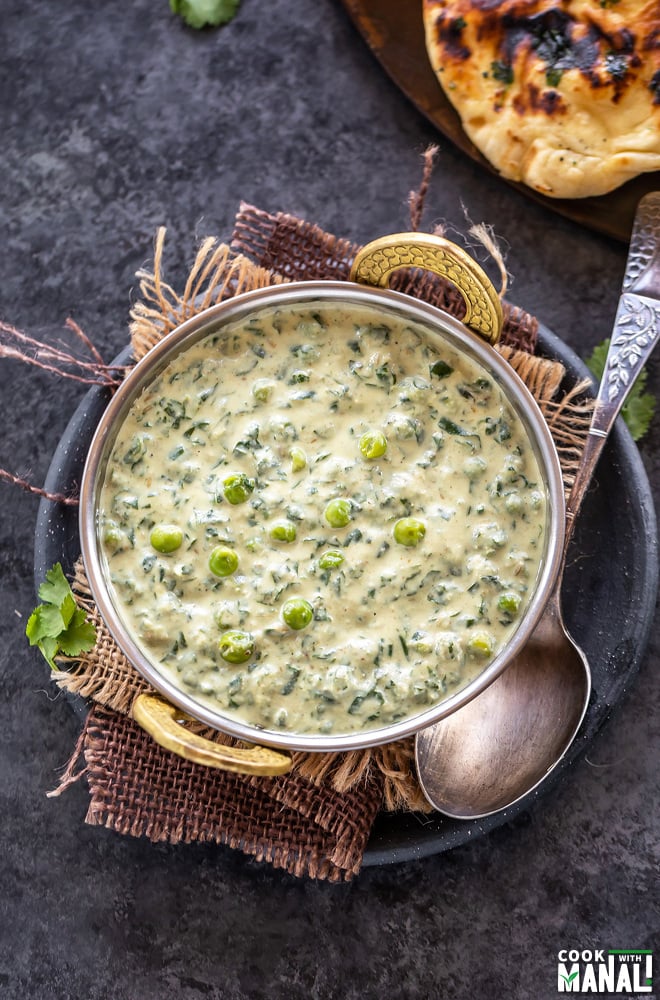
(316, 819)
(216, 274)
(103, 674)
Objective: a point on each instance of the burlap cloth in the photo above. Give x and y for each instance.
(316, 820)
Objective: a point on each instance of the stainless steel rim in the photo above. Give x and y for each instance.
(202, 324)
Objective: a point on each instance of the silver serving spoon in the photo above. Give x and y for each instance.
(501, 745)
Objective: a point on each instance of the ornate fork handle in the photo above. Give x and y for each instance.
(634, 336)
(643, 265)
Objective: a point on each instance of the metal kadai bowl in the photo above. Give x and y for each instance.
(264, 747)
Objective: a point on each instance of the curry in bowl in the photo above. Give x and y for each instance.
(322, 518)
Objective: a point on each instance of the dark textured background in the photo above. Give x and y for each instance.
(113, 121)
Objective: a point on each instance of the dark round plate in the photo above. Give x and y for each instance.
(610, 588)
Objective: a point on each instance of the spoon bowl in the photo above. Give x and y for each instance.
(502, 744)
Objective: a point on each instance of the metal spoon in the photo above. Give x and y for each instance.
(492, 752)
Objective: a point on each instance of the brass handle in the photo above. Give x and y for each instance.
(162, 721)
(374, 264)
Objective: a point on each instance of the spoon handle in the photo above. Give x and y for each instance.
(635, 333)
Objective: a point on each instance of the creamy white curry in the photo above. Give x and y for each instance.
(322, 521)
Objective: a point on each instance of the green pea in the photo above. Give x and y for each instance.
(283, 531)
(113, 537)
(166, 537)
(297, 613)
(409, 531)
(236, 646)
(422, 643)
(331, 559)
(509, 603)
(237, 488)
(298, 459)
(373, 444)
(262, 390)
(481, 645)
(223, 561)
(338, 513)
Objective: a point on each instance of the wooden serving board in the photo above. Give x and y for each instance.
(394, 31)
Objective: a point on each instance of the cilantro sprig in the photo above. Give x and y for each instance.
(58, 625)
(205, 13)
(639, 409)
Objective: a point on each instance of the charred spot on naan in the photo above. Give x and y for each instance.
(606, 58)
(654, 87)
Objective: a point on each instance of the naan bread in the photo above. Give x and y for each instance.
(563, 96)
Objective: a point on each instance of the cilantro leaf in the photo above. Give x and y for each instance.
(49, 648)
(68, 608)
(203, 13)
(46, 621)
(639, 409)
(56, 586)
(58, 625)
(79, 636)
